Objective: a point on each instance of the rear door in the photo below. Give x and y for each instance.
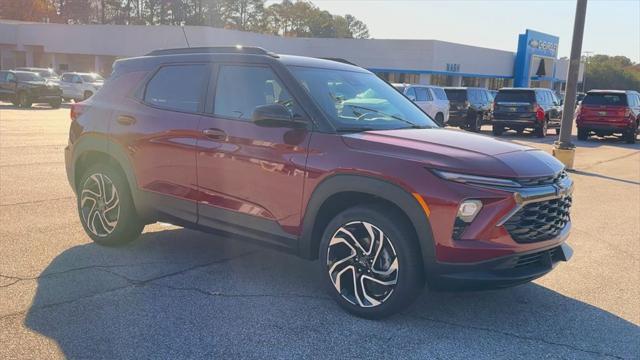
(159, 133)
(250, 177)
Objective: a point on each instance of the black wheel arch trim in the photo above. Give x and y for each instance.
(383, 189)
(103, 144)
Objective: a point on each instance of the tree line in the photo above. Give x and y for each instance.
(286, 18)
(611, 72)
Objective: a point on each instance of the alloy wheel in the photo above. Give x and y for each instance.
(362, 264)
(100, 205)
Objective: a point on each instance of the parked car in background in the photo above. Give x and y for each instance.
(520, 109)
(431, 99)
(493, 93)
(23, 88)
(469, 107)
(80, 86)
(47, 73)
(319, 158)
(579, 97)
(608, 112)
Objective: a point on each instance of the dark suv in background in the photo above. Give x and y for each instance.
(319, 158)
(607, 112)
(536, 109)
(23, 88)
(469, 107)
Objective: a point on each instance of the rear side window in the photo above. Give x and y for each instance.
(240, 89)
(439, 93)
(178, 87)
(422, 94)
(456, 95)
(515, 96)
(66, 77)
(605, 99)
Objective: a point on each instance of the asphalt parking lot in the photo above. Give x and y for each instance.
(176, 293)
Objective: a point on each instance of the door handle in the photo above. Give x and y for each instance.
(126, 120)
(216, 134)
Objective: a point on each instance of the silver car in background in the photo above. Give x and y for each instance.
(431, 99)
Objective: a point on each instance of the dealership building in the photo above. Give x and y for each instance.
(94, 48)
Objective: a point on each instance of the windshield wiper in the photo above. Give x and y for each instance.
(412, 125)
(354, 129)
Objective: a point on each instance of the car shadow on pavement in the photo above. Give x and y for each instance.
(38, 106)
(177, 293)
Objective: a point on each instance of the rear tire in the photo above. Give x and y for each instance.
(440, 119)
(541, 130)
(105, 206)
(87, 94)
(371, 279)
(475, 124)
(497, 130)
(583, 134)
(630, 136)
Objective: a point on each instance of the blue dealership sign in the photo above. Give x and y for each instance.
(532, 43)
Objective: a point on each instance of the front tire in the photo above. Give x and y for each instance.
(106, 208)
(497, 130)
(440, 119)
(56, 103)
(23, 100)
(476, 123)
(87, 94)
(371, 262)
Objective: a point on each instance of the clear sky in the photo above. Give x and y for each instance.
(612, 26)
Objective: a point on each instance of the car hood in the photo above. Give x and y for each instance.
(457, 151)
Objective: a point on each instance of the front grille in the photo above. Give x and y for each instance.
(543, 180)
(539, 221)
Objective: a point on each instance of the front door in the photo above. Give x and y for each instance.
(250, 177)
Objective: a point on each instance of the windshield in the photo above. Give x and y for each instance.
(456, 95)
(91, 77)
(605, 99)
(516, 96)
(359, 101)
(28, 76)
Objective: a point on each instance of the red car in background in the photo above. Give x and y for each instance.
(608, 112)
(319, 158)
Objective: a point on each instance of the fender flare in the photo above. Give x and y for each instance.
(102, 144)
(373, 186)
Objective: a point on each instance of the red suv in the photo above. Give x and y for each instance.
(319, 158)
(607, 112)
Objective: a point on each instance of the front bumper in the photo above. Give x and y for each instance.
(488, 252)
(503, 272)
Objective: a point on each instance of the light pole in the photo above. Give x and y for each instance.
(563, 149)
(587, 54)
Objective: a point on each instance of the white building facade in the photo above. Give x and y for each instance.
(95, 47)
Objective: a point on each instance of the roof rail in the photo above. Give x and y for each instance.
(238, 49)
(340, 60)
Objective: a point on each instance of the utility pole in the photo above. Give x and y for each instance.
(563, 149)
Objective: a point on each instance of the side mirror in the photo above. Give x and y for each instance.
(561, 102)
(411, 97)
(274, 115)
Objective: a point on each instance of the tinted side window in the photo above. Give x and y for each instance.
(3, 76)
(11, 77)
(66, 78)
(240, 89)
(178, 87)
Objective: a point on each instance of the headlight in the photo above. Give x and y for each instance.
(474, 179)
